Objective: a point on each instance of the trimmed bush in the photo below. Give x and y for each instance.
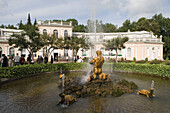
(146, 59)
(122, 59)
(154, 69)
(155, 62)
(134, 59)
(167, 63)
(25, 70)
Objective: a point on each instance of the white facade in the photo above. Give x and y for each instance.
(141, 44)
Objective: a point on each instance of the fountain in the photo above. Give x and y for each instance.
(98, 84)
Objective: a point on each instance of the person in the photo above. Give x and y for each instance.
(52, 59)
(22, 60)
(38, 60)
(75, 59)
(32, 59)
(45, 59)
(10, 60)
(17, 60)
(41, 59)
(79, 60)
(29, 59)
(67, 58)
(4, 62)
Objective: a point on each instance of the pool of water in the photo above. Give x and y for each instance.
(40, 94)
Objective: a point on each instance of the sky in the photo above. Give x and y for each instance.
(109, 11)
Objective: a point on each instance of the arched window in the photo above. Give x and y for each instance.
(11, 51)
(128, 52)
(44, 32)
(159, 52)
(0, 52)
(55, 33)
(65, 33)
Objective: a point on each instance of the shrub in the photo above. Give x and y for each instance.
(146, 59)
(167, 58)
(122, 59)
(128, 61)
(134, 59)
(26, 70)
(155, 62)
(167, 63)
(156, 69)
(141, 61)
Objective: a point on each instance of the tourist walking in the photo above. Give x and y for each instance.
(17, 60)
(10, 60)
(52, 59)
(22, 60)
(4, 62)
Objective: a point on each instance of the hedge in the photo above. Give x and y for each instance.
(25, 70)
(154, 69)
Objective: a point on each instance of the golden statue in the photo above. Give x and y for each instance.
(146, 92)
(97, 72)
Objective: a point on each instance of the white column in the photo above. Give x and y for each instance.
(6, 50)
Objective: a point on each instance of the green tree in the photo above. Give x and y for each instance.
(21, 25)
(115, 44)
(30, 40)
(76, 43)
(51, 42)
(29, 20)
(125, 27)
(108, 28)
(74, 21)
(166, 47)
(143, 24)
(35, 22)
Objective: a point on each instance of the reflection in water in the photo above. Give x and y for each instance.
(39, 94)
(96, 107)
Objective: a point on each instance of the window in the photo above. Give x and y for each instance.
(159, 52)
(0, 52)
(55, 33)
(11, 51)
(65, 33)
(44, 32)
(128, 52)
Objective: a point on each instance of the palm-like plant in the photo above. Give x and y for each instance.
(115, 44)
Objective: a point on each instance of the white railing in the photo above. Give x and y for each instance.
(145, 40)
(5, 38)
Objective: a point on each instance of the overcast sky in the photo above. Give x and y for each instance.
(109, 11)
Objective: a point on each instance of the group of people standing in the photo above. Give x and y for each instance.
(12, 60)
(17, 60)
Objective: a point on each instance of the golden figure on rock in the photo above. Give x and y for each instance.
(97, 72)
(146, 92)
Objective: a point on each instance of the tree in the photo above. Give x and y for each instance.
(29, 20)
(108, 28)
(76, 43)
(74, 21)
(51, 42)
(143, 24)
(35, 22)
(21, 25)
(115, 44)
(125, 27)
(30, 40)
